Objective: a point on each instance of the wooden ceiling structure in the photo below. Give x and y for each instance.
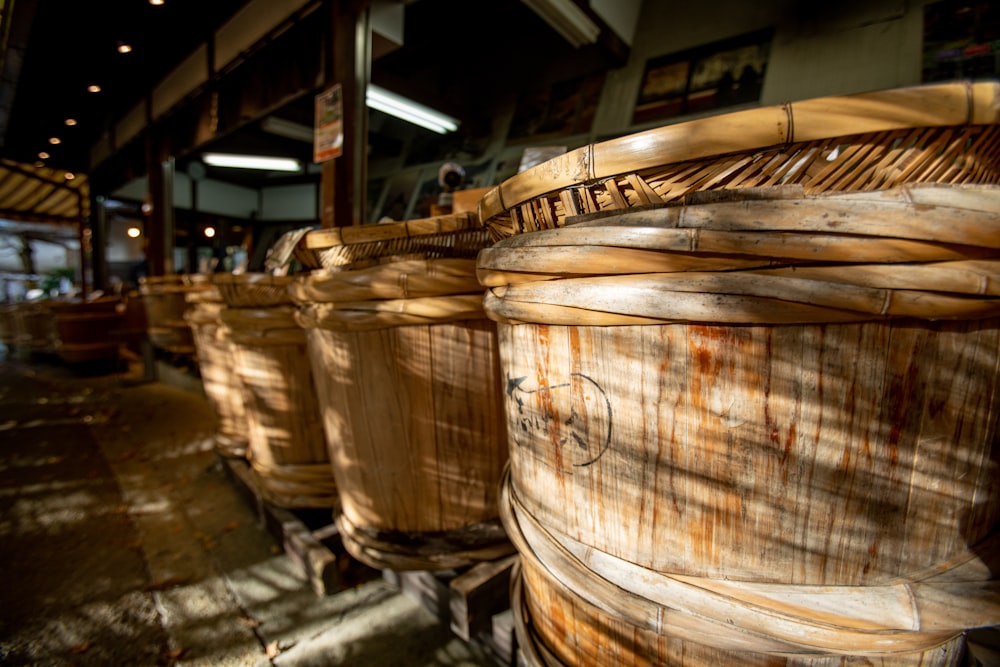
(207, 75)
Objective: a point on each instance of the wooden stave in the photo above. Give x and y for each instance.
(286, 444)
(222, 386)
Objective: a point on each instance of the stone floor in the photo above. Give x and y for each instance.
(122, 542)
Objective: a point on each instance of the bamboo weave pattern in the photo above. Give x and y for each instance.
(815, 144)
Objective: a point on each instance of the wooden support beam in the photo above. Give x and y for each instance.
(479, 593)
(342, 186)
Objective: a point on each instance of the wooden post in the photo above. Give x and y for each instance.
(342, 186)
(160, 188)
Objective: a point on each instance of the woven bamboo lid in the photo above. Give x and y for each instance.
(452, 236)
(253, 290)
(174, 282)
(940, 133)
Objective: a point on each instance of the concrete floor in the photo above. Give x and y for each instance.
(122, 542)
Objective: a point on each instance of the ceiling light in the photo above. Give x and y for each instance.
(39, 164)
(418, 114)
(43, 155)
(566, 18)
(286, 128)
(69, 175)
(70, 122)
(251, 162)
(133, 232)
(93, 88)
(55, 140)
(209, 232)
(156, 2)
(124, 48)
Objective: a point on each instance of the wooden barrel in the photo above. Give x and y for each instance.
(406, 368)
(35, 327)
(763, 420)
(286, 446)
(164, 298)
(216, 361)
(88, 331)
(8, 324)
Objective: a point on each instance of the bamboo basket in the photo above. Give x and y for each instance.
(164, 299)
(253, 290)
(88, 331)
(216, 361)
(940, 133)
(405, 364)
(453, 236)
(286, 446)
(762, 421)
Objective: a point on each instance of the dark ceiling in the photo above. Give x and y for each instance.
(462, 57)
(67, 45)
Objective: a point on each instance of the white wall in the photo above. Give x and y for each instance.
(290, 202)
(47, 257)
(285, 202)
(120, 247)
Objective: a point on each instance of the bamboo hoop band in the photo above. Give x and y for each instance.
(529, 645)
(253, 290)
(386, 313)
(746, 297)
(943, 133)
(276, 325)
(785, 618)
(176, 285)
(398, 280)
(231, 446)
(762, 227)
(300, 485)
(921, 252)
(202, 313)
(535, 653)
(453, 235)
(424, 551)
(210, 295)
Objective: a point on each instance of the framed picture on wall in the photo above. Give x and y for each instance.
(558, 110)
(714, 76)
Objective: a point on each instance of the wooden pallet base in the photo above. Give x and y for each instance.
(318, 551)
(474, 602)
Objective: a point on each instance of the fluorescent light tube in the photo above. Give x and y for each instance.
(286, 128)
(418, 114)
(251, 162)
(566, 18)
